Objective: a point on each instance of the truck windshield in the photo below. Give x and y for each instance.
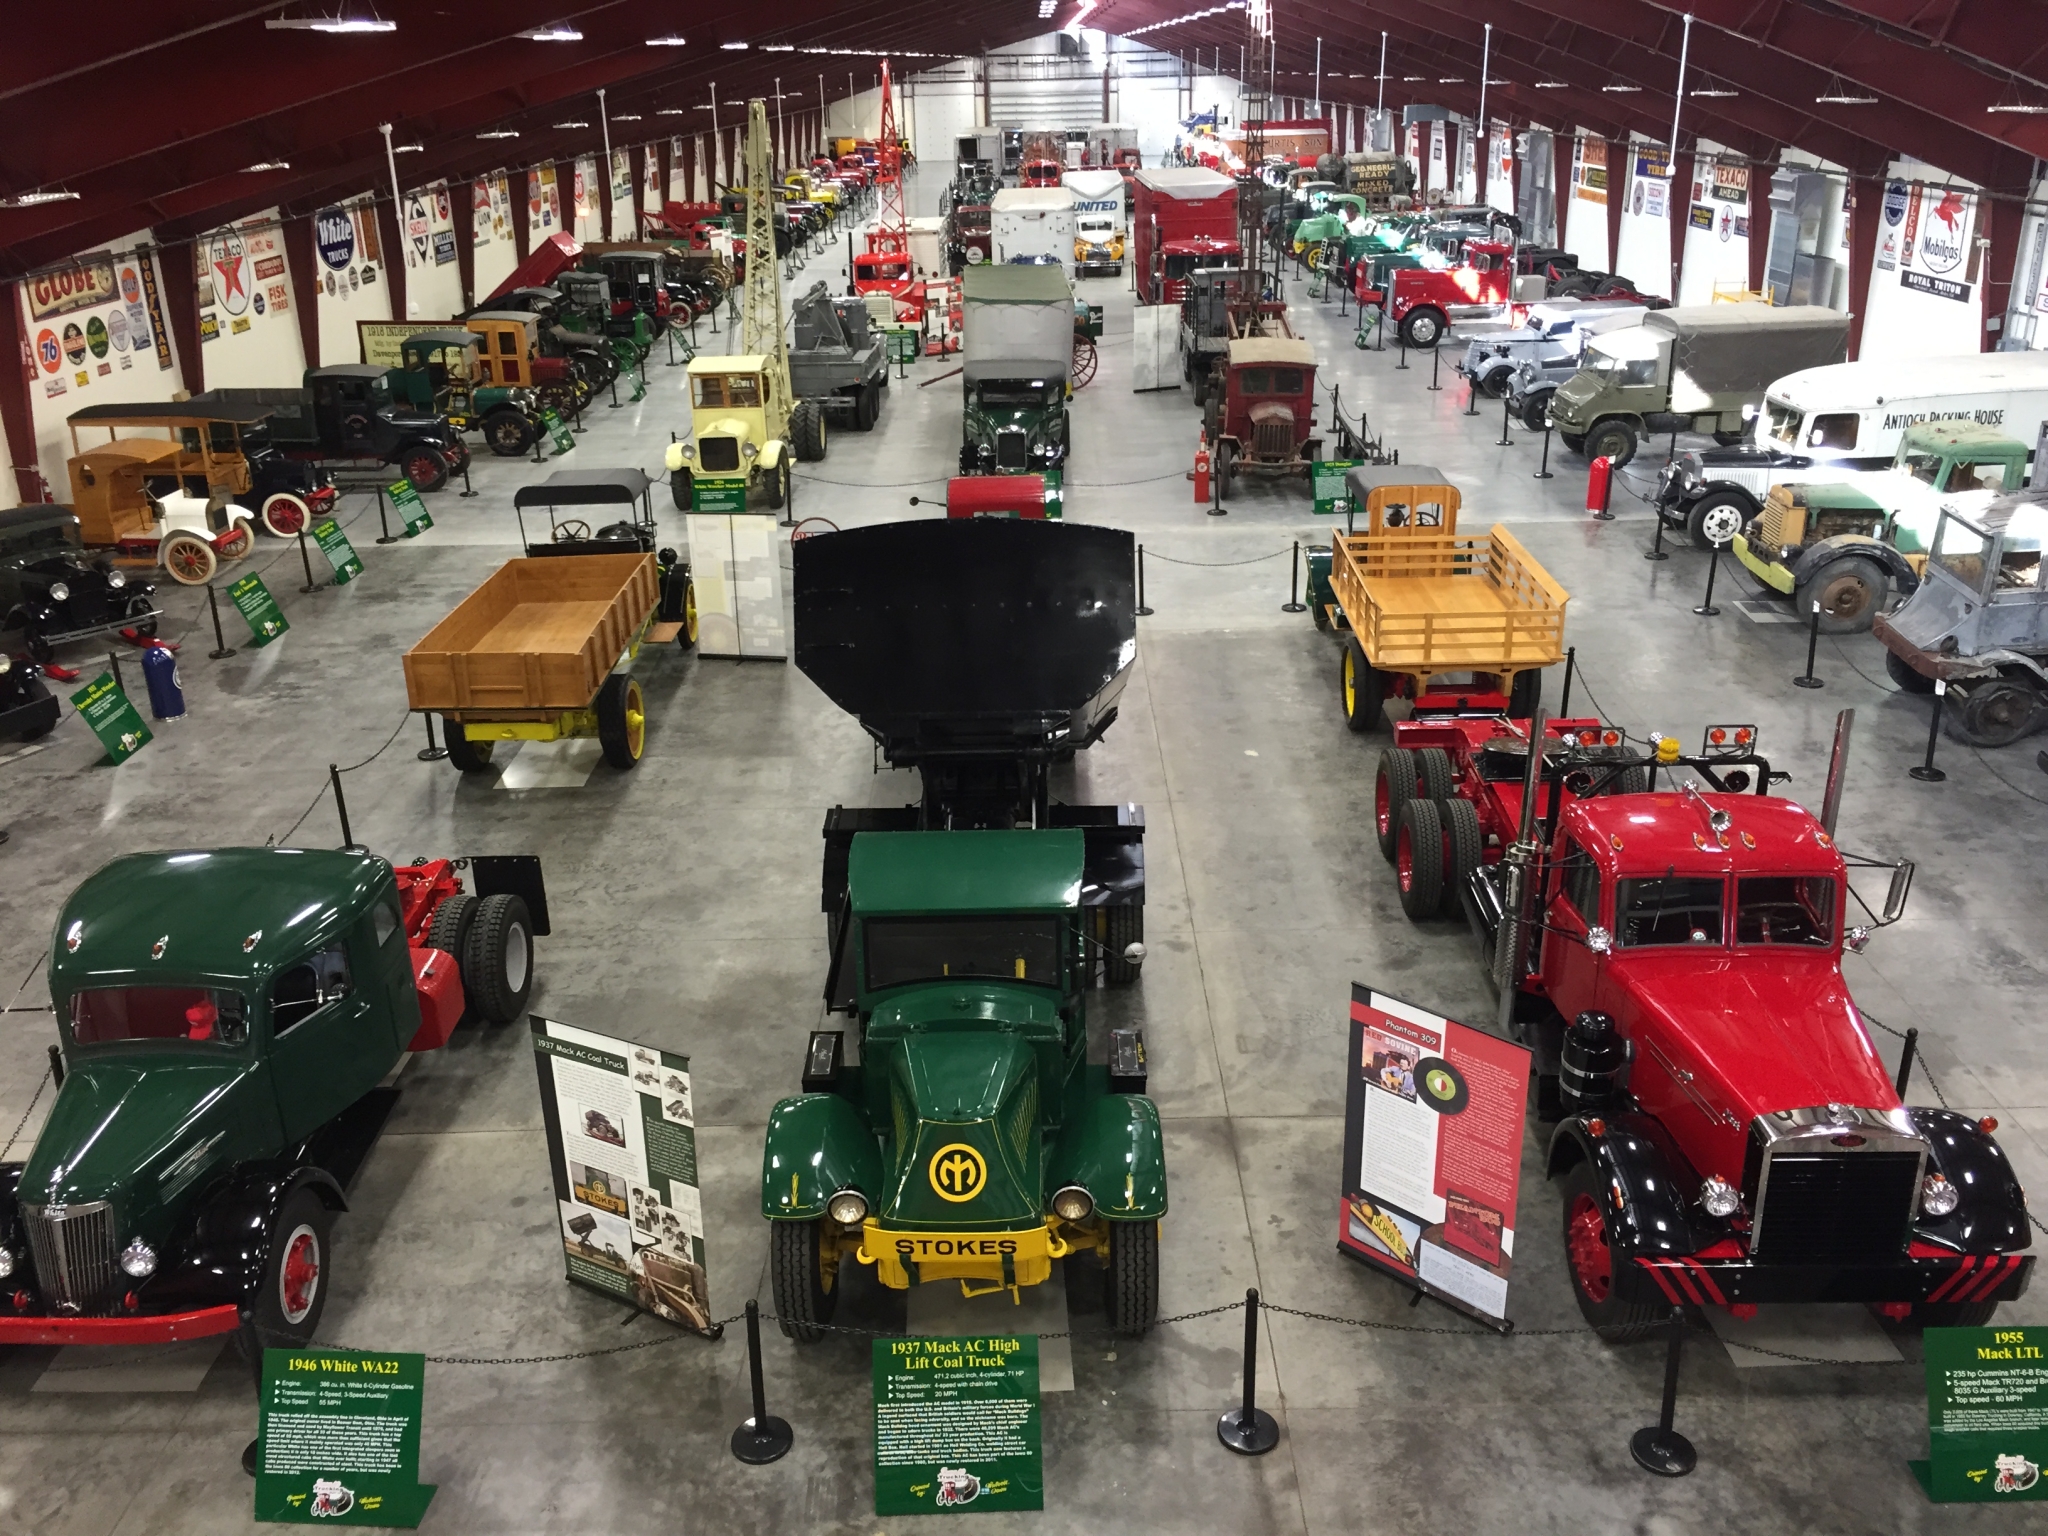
(1008, 948)
(1668, 910)
(1785, 909)
(104, 1015)
(1785, 421)
(1961, 550)
(1028, 393)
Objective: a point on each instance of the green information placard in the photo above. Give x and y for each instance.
(1328, 480)
(341, 554)
(558, 430)
(113, 718)
(640, 383)
(1987, 1415)
(956, 1425)
(1055, 493)
(718, 493)
(405, 501)
(338, 1438)
(266, 620)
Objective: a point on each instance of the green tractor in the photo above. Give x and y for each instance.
(968, 1136)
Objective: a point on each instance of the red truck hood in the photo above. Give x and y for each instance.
(1760, 1032)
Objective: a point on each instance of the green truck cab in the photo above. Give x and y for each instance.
(958, 1131)
(228, 1020)
(440, 372)
(1845, 543)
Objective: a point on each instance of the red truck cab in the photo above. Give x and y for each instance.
(1182, 218)
(1423, 301)
(1040, 173)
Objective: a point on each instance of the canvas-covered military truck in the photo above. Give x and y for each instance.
(1848, 540)
(227, 1019)
(1018, 350)
(1696, 368)
(838, 367)
(968, 1135)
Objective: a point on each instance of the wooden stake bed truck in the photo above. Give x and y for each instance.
(227, 1019)
(1417, 602)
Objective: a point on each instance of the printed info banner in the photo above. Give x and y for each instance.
(622, 1142)
(1432, 1151)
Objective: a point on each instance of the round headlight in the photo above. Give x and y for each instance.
(1073, 1204)
(1938, 1197)
(138, 1260)
(117, 579)
(1719, 1198)
(60, 592)
(750, 450)
(6, 1262)
(847, 1207)
(6, 664)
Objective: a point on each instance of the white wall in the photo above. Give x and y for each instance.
(245, 285)
(1716, 256)
(1907, 321)
(2026, 323)
(1643, 253)
(341, 303)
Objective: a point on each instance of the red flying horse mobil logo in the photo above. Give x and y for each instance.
(1946, 234)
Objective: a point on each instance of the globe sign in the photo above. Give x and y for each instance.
(334, 233)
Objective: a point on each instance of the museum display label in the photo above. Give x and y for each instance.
(112, 717)
(1327, 479)
(558, 430)
(1987, 1415)
(341, 554)
(956, 1425)
(406, 501)
(266, 619)
(338, 1438)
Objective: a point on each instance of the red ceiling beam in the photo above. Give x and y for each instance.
(2002, 35)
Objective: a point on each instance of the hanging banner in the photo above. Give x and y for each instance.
(338, 1439)
(1592, 171)
(1730, 184)
(1987, 1415)
(622, 1143)
(110, 715)
(957, 1425)
(1432, 1152)
(1889, 231)
(153, 304)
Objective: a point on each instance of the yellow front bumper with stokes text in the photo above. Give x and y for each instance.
(998, 1259)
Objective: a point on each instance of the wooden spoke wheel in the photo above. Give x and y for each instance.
(1084, 361)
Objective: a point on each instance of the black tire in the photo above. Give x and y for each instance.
(1995, 713)
(1536, 408)
(1201, 383)
(796, 1273)
(1131, 1277)
(1464, 847)
(449, 931)
(1615, 1320)
(1433, 770)
(1908, 680)
(286, 1308)
(497, 959)
(40, 651)
(1525, 693)
(1494, 384)
(1120, 927)
(1612, 439)
(867, 405)
(621, 720)
(1953, 1314)
(1575, 441)
(1850, 590)
(1394, 784)
(1226, 470)
(807, 430)
(1715, 519)
(424, 468)
(469, 756)
(1422, 330)
(35, 693)
(1419, 858)
(141, 620)
(777, 491)
(1361, 691)
(682, 489)
(509, 434)
(1633, 780)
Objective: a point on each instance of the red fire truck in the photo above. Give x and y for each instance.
(1182, 219)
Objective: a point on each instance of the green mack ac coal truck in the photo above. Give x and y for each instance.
(959, 1130)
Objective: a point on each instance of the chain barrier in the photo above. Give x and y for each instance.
(1919, 1058)
(1217, 565)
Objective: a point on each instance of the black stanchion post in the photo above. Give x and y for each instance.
(348, 837)
(1248, 1429)
(1294, 604)
(1906, 1062)
(1926, 772)
(1505, 440)
(1571, 665)
(1543, 472)
(1435, 353)
(1471, 397)
(1143, 611)
(467, 490)
(1812, 643)
(1656, 549)
(763, 1438)
(1706, 609)
(1403, 363)
(384, 535)
(1659, 1448)
(221, 649)
(536, 448)
(305, 559)
(114, 665)
(615, 392)
(431, 753)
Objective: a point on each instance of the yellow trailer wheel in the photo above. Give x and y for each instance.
(621, 721)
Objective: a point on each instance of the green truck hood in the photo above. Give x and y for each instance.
(1568, 407)
(966, 1151)
(144, 1131)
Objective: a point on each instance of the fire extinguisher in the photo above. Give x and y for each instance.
(1202, 470)
(1599, 486)
(166, 693)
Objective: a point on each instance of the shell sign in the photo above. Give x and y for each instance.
(82, 285)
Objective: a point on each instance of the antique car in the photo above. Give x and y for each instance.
(1725, 1132)
(1978, 622)
(441, 372)
(225, 451)
(127, 496)
(345, 416)
(28, 710)
(52, 591)
(739, 435)
(968, 1137)
(1263, 421)
(226, 1020)
(564, 368)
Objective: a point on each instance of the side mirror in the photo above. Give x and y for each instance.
(1134, 953)
(1895, 895)
(1856, 940)
(1599, 940)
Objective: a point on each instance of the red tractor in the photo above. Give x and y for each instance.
(1725, 1131)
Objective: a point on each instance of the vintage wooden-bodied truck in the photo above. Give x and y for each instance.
(973, 1139)
(226, 1018)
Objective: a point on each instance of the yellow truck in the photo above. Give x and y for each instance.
(1446, 620)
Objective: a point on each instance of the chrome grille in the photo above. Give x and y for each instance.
(720, 455)
(72, 1247)
(1783, 521)
(1832, 1184)
(1010, 449)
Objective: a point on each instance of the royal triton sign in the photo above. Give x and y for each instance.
(83, 285)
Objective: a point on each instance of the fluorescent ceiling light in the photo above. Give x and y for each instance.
(269, 165)
(1553, 85)
(32, 199)
(2031, 111)
(573, 124)
(734, 47)
(625, 117)
(500, 133)
(342, 23)
(1450, 79)
(1839, 100)
(671, 40)
(673, 112)
(1621, 90)
(1713, 93)
(778, 47)
(559, 32)
(408, 149)
(1410, 79)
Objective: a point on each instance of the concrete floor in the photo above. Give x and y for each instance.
(685, 916)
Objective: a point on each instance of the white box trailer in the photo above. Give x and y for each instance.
(1101, 226)
(1033, 226)
(1022, 314)
(928, 247)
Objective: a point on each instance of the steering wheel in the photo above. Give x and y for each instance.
(571, 529)
(798, 531)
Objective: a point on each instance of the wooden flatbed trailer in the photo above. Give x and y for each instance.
(540, 651)
(1416, 602)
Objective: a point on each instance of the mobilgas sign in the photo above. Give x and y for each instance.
(334, 231)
